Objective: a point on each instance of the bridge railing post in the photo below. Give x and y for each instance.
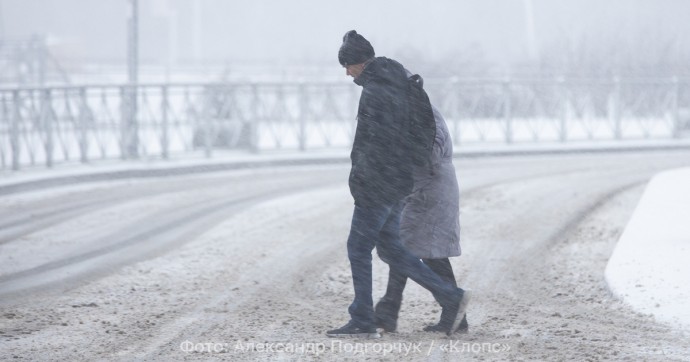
(14, 130)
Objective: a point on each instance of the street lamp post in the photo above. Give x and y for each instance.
(131, 128)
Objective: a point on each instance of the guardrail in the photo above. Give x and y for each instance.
(86, 123)
(564, 110)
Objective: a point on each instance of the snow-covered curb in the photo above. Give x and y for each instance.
(38, 177)
(649, 268)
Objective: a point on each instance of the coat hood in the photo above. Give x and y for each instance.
(385, 70)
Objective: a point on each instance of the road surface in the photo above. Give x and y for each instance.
(251, 265)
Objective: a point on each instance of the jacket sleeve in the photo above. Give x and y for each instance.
(364, 135)
(360, 173)
(382, 131)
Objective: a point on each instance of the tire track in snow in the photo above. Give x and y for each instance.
(153, 235)
(39, 215)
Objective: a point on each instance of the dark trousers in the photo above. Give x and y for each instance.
(391, 301)
(379, 227)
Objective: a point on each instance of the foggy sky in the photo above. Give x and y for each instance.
(310, 31)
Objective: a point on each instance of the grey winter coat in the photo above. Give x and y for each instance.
(430, 225)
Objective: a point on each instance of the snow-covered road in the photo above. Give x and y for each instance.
(139, 269)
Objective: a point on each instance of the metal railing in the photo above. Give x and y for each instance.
(86, 123)
(563, 110)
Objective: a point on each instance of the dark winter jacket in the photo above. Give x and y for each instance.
(381, 170)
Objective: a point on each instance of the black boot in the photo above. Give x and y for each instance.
(352, 329)
(453, 316)
(387, 314)
(441, 327)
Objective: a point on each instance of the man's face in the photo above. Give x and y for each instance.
(354, 70)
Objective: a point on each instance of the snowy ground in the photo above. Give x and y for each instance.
(247, 264)
(649, 267)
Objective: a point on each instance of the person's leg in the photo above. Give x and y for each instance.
(366, 225)
(398, 258)
(388, 307)
(444, 269)
(396, 285)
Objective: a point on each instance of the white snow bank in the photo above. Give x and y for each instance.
(650, 266)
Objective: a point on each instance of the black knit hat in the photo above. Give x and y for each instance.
(355, 49)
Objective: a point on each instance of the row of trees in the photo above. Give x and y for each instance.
(644, 56)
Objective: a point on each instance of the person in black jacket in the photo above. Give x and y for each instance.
(380, 178)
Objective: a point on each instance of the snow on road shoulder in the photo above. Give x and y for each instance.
(649, 268)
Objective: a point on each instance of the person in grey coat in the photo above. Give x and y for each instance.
(429, 227)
